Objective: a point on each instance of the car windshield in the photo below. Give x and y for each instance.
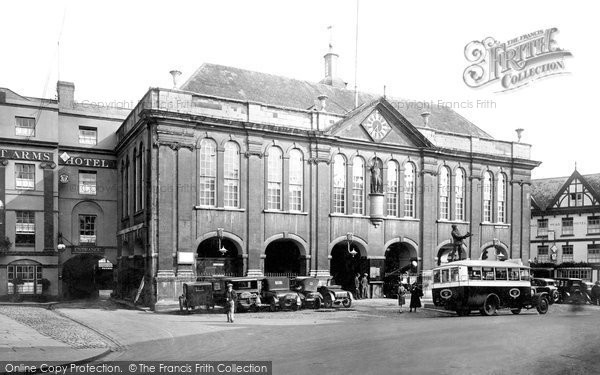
(309, 285)
(278, 284)
(245, 284)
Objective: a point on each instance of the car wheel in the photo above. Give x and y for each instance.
(542, 306)
(272, 306)
(317, 303)
(347, 302)
(489, 307)
(516, 311)
(295, 307)
(328, 303)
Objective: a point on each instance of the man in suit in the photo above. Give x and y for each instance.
(230, 299)
(457, 242)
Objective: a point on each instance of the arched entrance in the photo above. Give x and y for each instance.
(283, 257)
(445, 250)
(494, 251)
(346, 263)
(216, 258)
(80, 276)
(398, 256)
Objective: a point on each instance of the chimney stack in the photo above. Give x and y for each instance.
(330, 58)
(323, 99)
(175, 74)
(66, 94)
(425, 116)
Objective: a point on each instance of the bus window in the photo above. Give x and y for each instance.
(524, 274)
(501, 274)
(445, 277)
(436, 276)
(488, 273)
(474, 273)
(454, 274)
(513, 274)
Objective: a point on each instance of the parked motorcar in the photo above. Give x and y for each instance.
(333, 294)
(199, 293)
(308, 287)
(572, 290)
(248, 292)
(548, 286)
(276, 293)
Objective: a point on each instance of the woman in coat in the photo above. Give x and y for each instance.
(401, 296)
(415, 297)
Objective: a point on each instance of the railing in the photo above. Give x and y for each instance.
(216, 273)
(282, 274)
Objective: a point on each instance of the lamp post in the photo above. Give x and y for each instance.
(221, 248)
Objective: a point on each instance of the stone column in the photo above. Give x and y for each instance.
(185, 202)
(3, 164)
(515, 219)
(322, 189)
(255, 217)
(475, 199)
(428, 210)
(48, 167)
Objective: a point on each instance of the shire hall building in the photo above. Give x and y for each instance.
(238, 172)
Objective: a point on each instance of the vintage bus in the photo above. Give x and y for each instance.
(483, 285)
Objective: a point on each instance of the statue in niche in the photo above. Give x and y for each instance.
(376, 177)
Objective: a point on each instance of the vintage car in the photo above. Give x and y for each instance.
(572, 290)
(199, 293)
(308, 287)
(548, 286)
(276, 294)
(333, 295)
(248, 292)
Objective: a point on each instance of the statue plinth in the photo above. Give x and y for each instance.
(376, 208)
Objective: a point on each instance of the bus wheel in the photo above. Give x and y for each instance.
(489, 307)
(516, 311)
(542, 306)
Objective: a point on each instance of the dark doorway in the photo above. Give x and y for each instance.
(283, 258)
(211, 261)
(345, 265)
(79, 275)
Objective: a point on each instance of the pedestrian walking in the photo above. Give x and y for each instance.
(356, 286)
(364, 286)
(230, 299)
(415, 297)
(401, 296)
(596, 293)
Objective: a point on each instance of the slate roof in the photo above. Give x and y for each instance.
(544, 190)
(246, 85)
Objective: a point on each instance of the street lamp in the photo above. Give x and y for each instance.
(221, 248)
(61, 245)
(350, 238)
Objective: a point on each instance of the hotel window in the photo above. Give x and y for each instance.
(501, 198)
(409, 190)
(29, 275)
(87, 229)
(25, 126)
(339, 184)
(231, 174)
(567, 253)
(567, 226)
(459, 195)
(593, 224)
(444, 198)
(358, 186)
(24, 176)
(542, 230)
(87, 182)
(543, 253)
(87, 135)
(593, 253)
(487, 197)
(25, 228)
(274, 179)
(208, 172)
(296, 180)
(392, 188)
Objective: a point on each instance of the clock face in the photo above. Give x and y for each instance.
(376, 126)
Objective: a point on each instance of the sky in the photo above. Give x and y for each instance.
(115, 50)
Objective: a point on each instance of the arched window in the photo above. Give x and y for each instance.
(487, 196)
(123, 191)
(208, 172)
(501, 198)
(126, 188)
(296, 183)
(459, 195)
(339, 184)
(231, 175)
(392, 188)
(142, 177)
(274, 179)
(134, 172)
(443, 191)
(409, 190)
(358, 186)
